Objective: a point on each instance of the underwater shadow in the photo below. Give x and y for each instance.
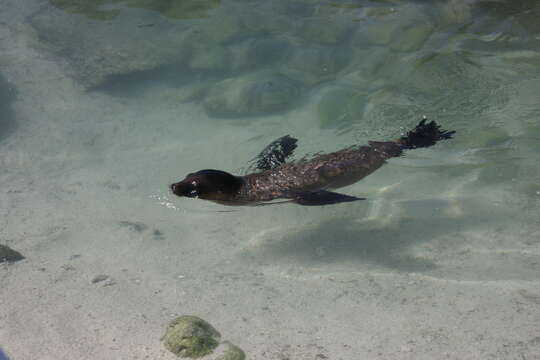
(135, 84)
(365, 242)
(8, 95)
(185, 9)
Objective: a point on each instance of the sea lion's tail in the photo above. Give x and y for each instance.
(425, 134)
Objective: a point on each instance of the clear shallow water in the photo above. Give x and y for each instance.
(114, 103)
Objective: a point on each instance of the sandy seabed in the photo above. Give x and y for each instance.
(83, 192)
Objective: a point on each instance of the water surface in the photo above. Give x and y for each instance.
(105, 103)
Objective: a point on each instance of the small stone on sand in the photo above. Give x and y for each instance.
(99, 278)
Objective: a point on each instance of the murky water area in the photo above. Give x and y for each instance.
(104, 103)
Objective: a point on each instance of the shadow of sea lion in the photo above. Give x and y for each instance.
(389, 247)
(7, 115)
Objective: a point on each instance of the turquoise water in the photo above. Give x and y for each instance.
(103, 104)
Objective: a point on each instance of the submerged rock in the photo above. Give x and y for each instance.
(191, 91)
(379, 11)
(485, 137)
(455, 12)
(388, 24)
(133, 42)
(324, 31)
(94, 9)
(9, 255)
(136, 226)
(222, 28)
(213, 58)
(454, 83)
(377, 32)
(231, 352)
(258, 22)
(253, 94)
(7, 115)
(313, 65)
(387, 110)
(190, 336)
(413, 38)
(339, 106)
(254, 53)
(96, 52)
(99, 278)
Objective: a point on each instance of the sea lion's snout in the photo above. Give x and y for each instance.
(185, 188)
(175, 189)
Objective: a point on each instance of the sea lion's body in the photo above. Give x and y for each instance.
(306, 181)
(322, 172)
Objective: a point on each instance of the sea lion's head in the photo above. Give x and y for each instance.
(208, 185)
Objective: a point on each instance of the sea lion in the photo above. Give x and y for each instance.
(307, 181)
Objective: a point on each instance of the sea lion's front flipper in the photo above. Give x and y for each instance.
(321, 197)
(275, 153)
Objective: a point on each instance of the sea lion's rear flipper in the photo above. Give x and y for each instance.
(321, 197)
(425, 134)
(275, 153)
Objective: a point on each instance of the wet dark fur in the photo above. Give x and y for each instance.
(307, 181)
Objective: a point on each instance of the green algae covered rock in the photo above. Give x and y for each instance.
(231, 352)
(185, 9)
(191, 336)
(9, 255)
